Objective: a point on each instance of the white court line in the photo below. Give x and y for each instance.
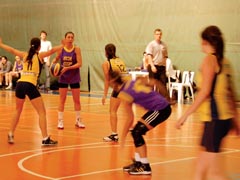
(20, 163)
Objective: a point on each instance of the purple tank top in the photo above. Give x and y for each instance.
(68, 58)
(143, 95)
(19, 67)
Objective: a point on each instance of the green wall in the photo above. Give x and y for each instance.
(127, 24)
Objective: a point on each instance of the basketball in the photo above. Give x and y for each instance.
(55, 69)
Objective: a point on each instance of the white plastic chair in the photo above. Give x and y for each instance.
(187, 81)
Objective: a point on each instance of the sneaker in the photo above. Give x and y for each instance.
(112, 137)
(140, 169)
(9, 87)
(10, 139)
(130, 166)
(79, 124)
(49, 142)
(60, 124)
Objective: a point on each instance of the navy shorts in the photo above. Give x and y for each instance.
(153, 118)
(72, 86)
(26, 88)
(213, 134)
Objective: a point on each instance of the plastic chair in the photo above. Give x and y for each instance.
(187, 81)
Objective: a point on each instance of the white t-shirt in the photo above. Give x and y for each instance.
(158, 52)
(45, 46)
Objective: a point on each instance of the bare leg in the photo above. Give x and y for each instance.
(63, 96)
(40, 108)
(114, 105)
(76, 99)
(16, 114)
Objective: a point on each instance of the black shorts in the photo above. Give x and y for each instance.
(159, 75)
(72, 86)
(213, 134)
(153, 118)
(26, 88)
(114, 94)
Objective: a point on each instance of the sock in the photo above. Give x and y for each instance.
(10, 133)
(77, 115)
(137, 157)
(114, 133)
(60, 115)
(45, 138)
(144, 161)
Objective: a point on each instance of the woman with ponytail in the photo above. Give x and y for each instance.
(26, 86)
(216, 103)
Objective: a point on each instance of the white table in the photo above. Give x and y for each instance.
(134, 74)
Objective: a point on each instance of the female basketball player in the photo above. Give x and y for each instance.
(140, 92)
(71, 61)
(26, 86)
(112, 63)
(216, 100)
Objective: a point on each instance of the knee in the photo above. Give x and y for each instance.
(137, 133)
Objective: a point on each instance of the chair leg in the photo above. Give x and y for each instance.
(180, 94)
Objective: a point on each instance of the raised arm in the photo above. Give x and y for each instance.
(11, 49)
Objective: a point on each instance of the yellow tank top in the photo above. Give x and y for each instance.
(218, 106)
(118, 65)
(30, 75)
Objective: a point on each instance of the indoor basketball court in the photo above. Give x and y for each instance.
(82, 154)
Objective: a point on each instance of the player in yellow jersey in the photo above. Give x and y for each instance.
(216, 100)
(112, 64)
(26, 86)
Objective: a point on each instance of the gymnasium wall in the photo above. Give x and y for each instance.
(127, 24)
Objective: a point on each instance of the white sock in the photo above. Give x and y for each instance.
(77, 115)
(114, 133)
(45, 138)
(60, 115)
(137, 157)
(144, 161)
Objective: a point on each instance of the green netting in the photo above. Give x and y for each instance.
(127, 24)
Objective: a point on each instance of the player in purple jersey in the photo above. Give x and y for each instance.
(158, 110)
(71, 61)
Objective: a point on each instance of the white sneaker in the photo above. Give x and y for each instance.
(60, 124)
(9, 87)
(79, 124)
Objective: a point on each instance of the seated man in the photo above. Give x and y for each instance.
(5, 67)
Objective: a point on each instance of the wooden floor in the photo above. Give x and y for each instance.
(81, 153)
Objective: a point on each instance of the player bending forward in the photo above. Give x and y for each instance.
(158, 110)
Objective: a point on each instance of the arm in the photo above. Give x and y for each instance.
(150, 61)
(14, 66)
(208, 73)
(11, 49)
(50, 52)
(105, 68)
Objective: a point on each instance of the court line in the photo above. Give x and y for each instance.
(20, 163)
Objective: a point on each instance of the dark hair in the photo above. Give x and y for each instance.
(44, 32)
(213, 35)
(110, 50)
(5, 57)
(69, 32)
(34, 46)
